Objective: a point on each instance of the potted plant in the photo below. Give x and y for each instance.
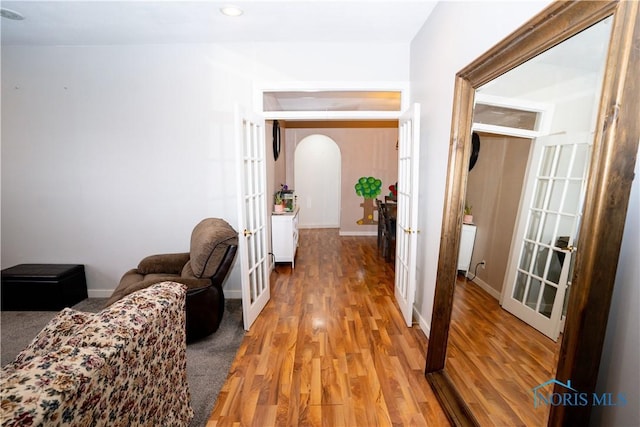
(468, 215)
(280, 199)
(278, 205)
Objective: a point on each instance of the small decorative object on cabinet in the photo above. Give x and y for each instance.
(284, 199)
(284, 236)
(278, 206)
(288, 200)
(467, 239)
(468, 214)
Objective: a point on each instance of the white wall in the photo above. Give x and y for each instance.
(109, 154)
(619, 365)
(455, 34)
(112, 153)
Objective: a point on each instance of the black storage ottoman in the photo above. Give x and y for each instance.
(45, 287)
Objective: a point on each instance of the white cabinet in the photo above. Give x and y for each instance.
(467, 239)
(284, 236)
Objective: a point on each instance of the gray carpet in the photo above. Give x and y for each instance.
(208, 360)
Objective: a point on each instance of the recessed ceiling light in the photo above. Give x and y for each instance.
(11, 14)
(231, 11)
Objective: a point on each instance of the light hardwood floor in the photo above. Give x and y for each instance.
(331, 347)
(495, 359)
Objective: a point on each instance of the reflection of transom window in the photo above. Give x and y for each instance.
(503, 116)
(507, 116)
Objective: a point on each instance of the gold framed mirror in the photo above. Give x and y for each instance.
(615, 145)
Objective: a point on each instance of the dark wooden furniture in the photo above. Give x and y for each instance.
(387, 229)
(380, 222)
(390, 224)
(46, 287)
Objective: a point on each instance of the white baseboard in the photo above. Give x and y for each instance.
(358, 233)
(422, 323)
(99, 293)
(485, 286)
(233, 294)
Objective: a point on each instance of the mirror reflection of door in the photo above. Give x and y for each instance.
(539, 269)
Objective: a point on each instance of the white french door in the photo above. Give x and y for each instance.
(540, 265)
(407, 215)
(252, 214)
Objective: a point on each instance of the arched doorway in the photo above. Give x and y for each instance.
(317, 177)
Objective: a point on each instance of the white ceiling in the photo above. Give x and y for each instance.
(95, 22)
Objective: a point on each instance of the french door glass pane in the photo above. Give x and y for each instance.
(548, 297)
(564, 161)
(541, 261)
(581, 161)
(548, 228)
(532, 295)
(557, 188)
(572, 198)
(541, 192)
(555, 267)
(566, 225)
(255, 283)
(534, 224)
(520, 286)
(547, 161)
(527, 254)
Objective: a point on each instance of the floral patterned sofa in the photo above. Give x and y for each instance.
(123, 366)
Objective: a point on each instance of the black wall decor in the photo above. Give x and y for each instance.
(475, 150)
(276, 140)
